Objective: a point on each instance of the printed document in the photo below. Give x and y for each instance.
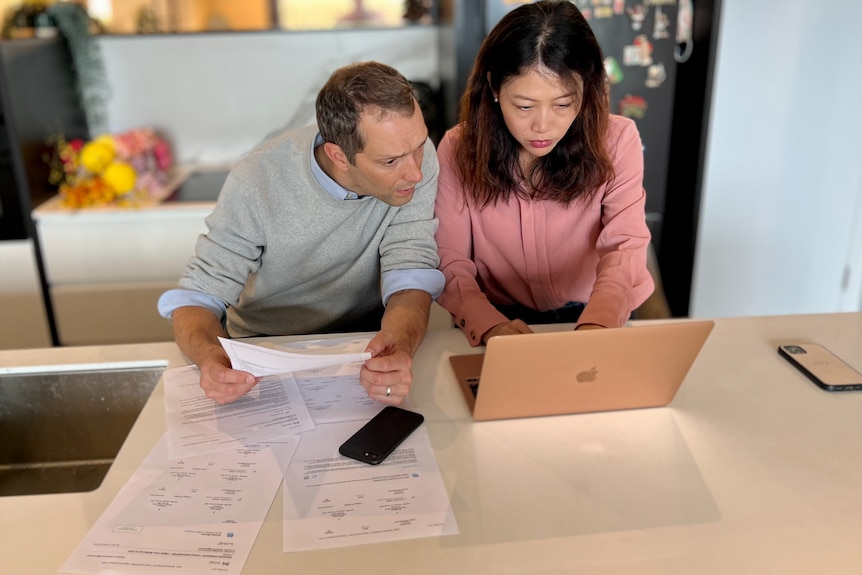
(198, 500)
(259, 360)
(333, 393)
(196, 424)
(195, 515)
(333, 501)
(338, 345)
(326, 370)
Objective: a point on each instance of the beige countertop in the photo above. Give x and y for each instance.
(752, 469)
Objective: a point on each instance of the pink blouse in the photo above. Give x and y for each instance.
(542, 254)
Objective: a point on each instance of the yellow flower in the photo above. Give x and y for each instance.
(120, 176)
(106, 139)
(96, 155)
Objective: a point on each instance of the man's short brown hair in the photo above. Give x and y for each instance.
(354, 89)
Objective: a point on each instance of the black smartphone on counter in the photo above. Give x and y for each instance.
(381, 435)
(822, 366)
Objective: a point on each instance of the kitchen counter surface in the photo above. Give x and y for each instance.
(38, 532)
(752, 469)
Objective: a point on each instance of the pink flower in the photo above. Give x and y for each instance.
(162, 151)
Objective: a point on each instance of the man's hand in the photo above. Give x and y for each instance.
(387, 376)
(222, 383)
(196, 331)
(506, 328)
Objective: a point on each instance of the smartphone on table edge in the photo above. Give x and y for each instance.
(822, 366)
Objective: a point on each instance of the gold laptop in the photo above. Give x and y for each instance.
(554, 373)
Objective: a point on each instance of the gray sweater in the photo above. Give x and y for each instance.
(289, 258)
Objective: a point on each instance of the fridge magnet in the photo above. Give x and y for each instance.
(633, 106)
(659, 2)
(613, 70)
(619, 7)
(603, 12)
(639, 53)
(637, 13)
(656, 75)
(602, 9)
(661, 25)
(684, 43)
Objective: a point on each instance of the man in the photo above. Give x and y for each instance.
(328, 228)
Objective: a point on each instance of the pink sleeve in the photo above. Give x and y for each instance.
(462, 297)
(622, 280)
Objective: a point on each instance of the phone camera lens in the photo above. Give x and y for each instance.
(794, 349)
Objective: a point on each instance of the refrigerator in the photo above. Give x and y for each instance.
(659, 58)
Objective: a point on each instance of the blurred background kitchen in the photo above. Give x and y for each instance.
(749, 114)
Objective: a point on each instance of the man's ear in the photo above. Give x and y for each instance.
(336, 155)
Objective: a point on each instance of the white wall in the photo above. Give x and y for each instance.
(780, 227)
(217, 95)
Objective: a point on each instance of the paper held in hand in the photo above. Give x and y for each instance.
(260, 361)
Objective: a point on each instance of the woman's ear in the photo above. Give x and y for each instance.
(488, 78)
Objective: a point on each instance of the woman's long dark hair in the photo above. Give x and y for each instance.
(555, 36)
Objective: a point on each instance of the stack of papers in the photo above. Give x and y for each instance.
(199, 498)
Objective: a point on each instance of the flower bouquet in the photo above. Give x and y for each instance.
(124, 169)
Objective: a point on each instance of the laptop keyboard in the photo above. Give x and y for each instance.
(473, 382)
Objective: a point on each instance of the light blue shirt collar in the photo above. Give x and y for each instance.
(331, 186)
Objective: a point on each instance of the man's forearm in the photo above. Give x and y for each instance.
(196, 331)
(406, 317)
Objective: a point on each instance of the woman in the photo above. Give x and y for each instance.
(540, 196)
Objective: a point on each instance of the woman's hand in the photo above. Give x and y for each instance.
(506, 328)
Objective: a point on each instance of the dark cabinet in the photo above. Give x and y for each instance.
(38, 100)
(12, 218)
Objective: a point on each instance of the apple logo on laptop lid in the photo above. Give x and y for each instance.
(588, 375)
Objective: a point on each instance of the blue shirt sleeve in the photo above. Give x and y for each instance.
(427, 280)
(175, 298)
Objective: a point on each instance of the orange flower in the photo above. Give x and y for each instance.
(87, 193)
